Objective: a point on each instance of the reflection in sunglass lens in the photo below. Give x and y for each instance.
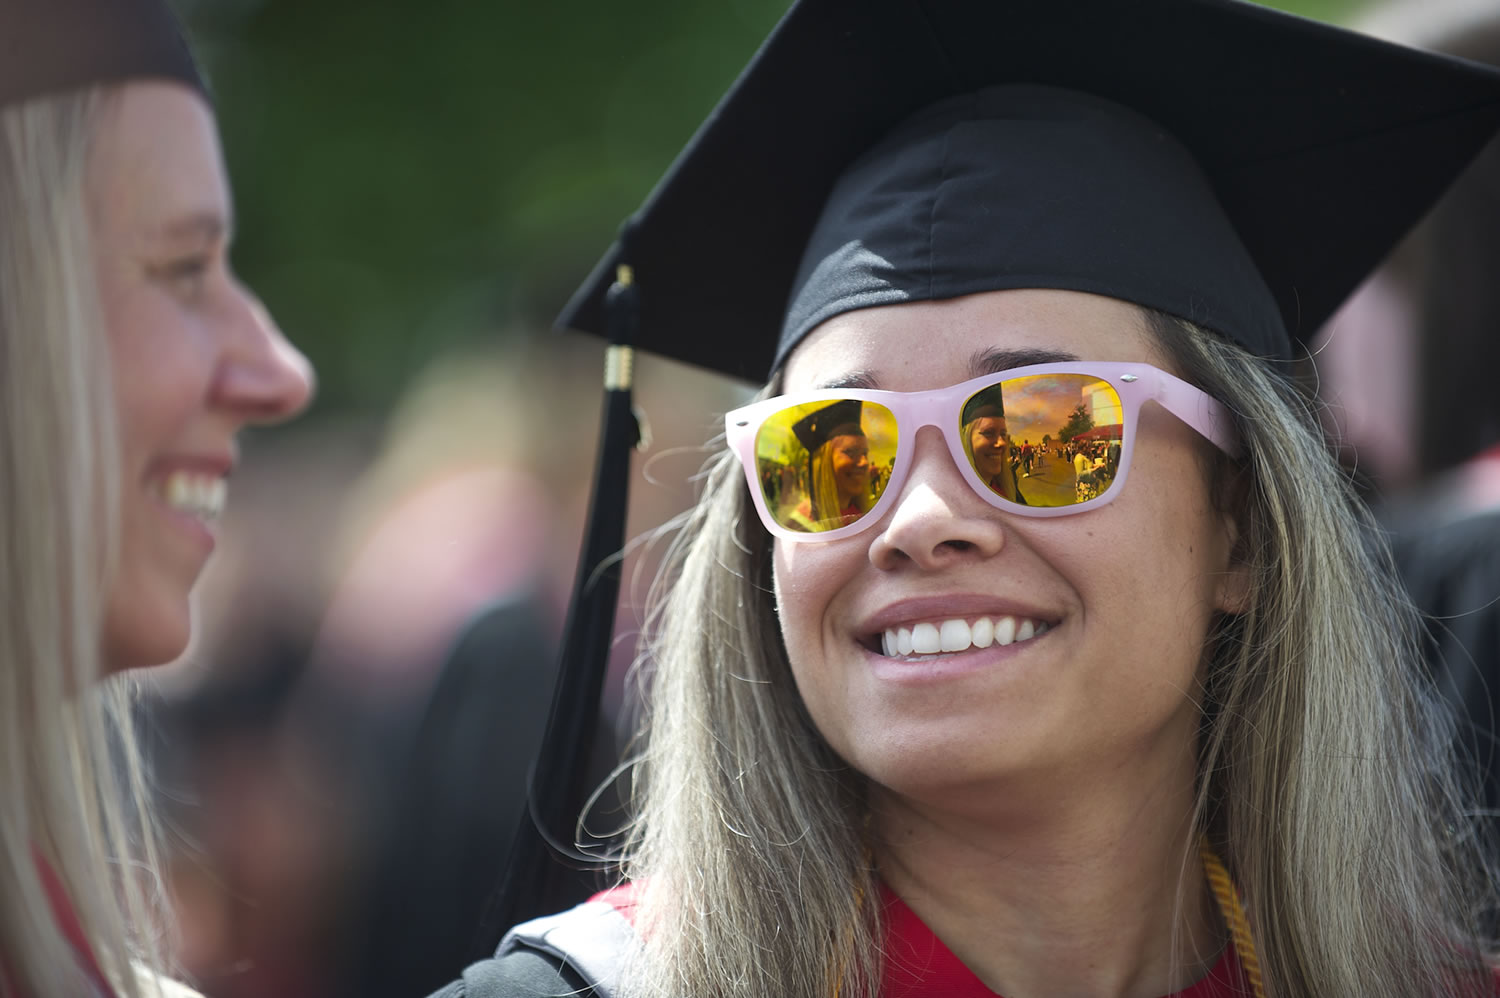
(823, 465)
(1044, 439)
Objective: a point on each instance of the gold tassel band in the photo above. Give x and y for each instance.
(619, 368)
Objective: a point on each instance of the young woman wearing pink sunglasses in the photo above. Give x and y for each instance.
(1151, 723)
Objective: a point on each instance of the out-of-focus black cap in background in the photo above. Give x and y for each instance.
(52, 46)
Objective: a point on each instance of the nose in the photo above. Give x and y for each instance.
(262, 377)
(937, 519)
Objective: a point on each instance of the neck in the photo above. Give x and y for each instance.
(1098, 891)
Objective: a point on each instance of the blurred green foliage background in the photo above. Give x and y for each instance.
(413, 175)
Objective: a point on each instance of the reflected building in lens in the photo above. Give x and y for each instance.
(1104, 406)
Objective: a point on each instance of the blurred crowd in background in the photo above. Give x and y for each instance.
(342, 756)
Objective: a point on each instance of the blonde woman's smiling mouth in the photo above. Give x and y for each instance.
(192, 491)
(198, 494)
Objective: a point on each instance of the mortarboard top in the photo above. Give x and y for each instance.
(839, 419)
(53, 46)
(1322, 146)
(987, 404)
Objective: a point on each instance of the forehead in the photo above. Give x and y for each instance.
(922, 345)
(155, 161)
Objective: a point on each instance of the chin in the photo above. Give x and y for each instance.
(145, 640)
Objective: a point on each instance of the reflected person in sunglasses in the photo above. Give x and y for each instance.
(838, 469)
(987, 444)
(1161, 736)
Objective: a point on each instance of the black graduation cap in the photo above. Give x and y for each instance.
(988, 403)
(1214, 159)
(52, 46)
(840, 418)
(1321, 145)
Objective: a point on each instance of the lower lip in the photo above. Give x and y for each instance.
(192, 527)
(952, 665)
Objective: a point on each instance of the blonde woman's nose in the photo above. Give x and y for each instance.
(263, 375)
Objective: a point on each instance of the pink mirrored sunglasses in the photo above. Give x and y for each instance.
(1043, 440)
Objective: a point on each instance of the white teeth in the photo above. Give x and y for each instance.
(954, 635)
(201, 495)
(957, 635)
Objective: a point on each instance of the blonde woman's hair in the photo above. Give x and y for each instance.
(73, 793)
(1326, 779)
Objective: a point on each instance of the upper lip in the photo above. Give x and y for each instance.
(217, 463)
(951, 607)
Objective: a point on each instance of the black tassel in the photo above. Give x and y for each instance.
(541, 875)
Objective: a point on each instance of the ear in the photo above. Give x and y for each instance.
(1232, 593)
(1232, 588)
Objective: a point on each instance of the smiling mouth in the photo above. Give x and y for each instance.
(196, 494)
(948, 637)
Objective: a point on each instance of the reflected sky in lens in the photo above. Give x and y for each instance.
(1041, 405)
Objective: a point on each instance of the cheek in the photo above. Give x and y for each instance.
(809, 581)
(161, 371)
(794, 596)
(1161, 591)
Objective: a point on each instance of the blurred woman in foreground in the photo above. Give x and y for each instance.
(130, 357)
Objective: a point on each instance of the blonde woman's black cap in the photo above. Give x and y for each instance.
(840, 418)
(54, 46)
(1214, 159)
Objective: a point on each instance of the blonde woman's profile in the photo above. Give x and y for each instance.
(130, 357)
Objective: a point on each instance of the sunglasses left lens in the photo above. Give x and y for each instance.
(823, 465)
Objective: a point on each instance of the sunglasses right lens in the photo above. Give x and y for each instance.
(1045, 439)
(823, 465)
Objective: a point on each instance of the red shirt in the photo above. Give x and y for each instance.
(919, 965)
(72, 929)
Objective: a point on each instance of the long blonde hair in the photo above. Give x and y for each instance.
(73, 794)
(1326, 780)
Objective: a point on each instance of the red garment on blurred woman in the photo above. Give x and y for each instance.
(67, 921)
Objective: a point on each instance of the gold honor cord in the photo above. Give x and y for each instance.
(1230, 907)
(1233, 910)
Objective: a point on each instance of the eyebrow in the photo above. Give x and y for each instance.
(854, 379)
(207, 225)
(981, 363)
(994, 361)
